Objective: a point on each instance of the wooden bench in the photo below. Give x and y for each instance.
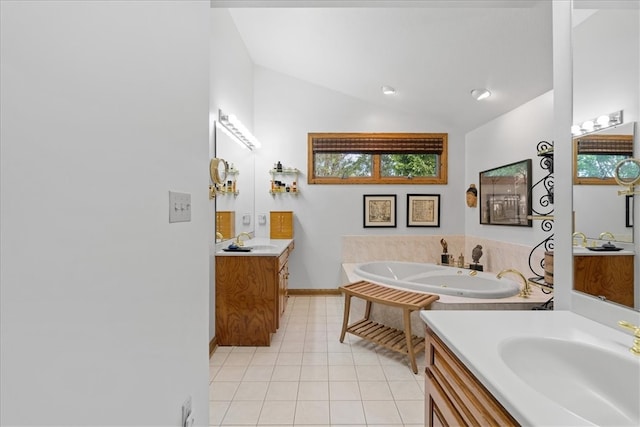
(401, 341)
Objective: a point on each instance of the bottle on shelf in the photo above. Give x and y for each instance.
(279, 166)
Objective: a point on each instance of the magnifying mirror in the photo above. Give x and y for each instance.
(218, 170)
(627, 174)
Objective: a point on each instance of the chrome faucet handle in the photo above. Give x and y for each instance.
(636, 334)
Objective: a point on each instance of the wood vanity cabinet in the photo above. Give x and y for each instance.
(454, 397)
(608, 276)
(251, 295)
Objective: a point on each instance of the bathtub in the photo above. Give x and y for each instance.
(438, 279)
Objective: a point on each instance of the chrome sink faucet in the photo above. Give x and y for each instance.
(526, 289)
(239, 241)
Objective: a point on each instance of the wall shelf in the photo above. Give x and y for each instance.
(284, 172)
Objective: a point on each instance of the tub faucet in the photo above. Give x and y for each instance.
(607, 233)
(239, 241)
(635, 349)
(526, 289)
(582, 236)
(219, 235)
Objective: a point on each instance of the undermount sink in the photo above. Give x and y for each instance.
(598, 385)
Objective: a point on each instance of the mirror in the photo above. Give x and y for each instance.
(606, 50)
(235, 197)
(598, 208)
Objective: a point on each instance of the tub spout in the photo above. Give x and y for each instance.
(526, 289)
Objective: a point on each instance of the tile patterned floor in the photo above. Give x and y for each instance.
(308, 378)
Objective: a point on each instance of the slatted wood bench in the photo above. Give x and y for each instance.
(401, 341)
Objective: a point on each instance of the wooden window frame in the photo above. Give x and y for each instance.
(608, 138)
(404, 139)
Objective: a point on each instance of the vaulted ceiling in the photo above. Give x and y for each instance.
(432, 52)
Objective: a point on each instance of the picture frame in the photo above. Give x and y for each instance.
(505, 196)
(629, 210)
(379, 211)
(423, 210)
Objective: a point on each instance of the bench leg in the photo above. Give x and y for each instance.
(345, 319)
(407, 333)
(367, 311)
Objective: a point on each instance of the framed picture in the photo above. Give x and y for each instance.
(423, 210)
(379, 210)
(629, 211)
(505, 198)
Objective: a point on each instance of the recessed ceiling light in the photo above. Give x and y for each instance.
(388, 90)
(480, 94)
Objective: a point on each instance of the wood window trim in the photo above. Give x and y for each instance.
(592, 180)
(409, 138)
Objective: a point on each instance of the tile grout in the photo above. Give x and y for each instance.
(307, 326)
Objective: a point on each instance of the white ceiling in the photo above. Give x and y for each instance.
(433, 52)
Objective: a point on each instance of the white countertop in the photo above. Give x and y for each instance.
(580, 251)
(475, 337)
(277, 246)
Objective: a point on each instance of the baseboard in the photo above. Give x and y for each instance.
(212, 346)
(307, 292)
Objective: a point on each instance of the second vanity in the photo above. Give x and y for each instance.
(607, 275)
(535, 368)
(251, 291)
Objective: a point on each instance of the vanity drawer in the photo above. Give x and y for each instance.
(465, 396)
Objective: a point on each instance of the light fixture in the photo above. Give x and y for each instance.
(480, 94)
(388, 90)
(237, 131)
(601, 122)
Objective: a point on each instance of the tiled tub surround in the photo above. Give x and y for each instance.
(427, 249)
(496, 255)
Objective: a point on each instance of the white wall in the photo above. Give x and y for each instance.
(286, 109)
(231, 89)
(104, 303)
(507, 139)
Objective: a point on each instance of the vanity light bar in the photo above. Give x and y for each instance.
(238, 131)
(599, 123)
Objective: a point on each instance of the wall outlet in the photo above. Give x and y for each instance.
(187, 417)
(179, 207)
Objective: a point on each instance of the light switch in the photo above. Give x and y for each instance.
(246, 219)
(262, 219)
(179, 207)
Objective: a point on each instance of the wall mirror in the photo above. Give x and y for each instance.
(599, 212)
(606, 50)
(235, 198)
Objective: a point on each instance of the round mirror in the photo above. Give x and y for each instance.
(218, 170)
(627, 172)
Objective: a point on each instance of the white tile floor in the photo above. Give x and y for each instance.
(307, 377)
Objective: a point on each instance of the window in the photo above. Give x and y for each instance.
(596, 156)
(377, 158)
